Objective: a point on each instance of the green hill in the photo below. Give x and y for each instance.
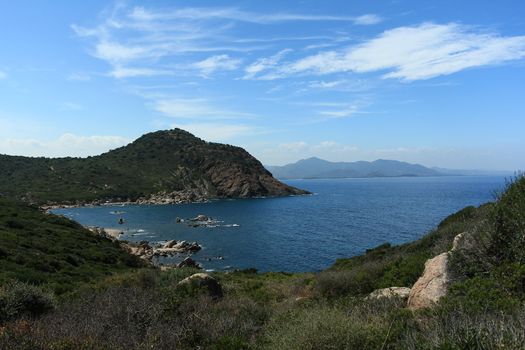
(50, 250)
(162, 162)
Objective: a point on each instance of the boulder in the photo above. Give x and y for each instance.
(432, 285)
(188, 262)
(201, 217)
(390, 292)
(169, 244)
(457, 241)
(203, 280)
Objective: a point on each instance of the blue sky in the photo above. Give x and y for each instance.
(440, 83)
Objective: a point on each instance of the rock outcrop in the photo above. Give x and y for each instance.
(200, 217)
(390, 292)
(434, 283)
(147, 252)
(203, 280)
(175, 197)
(188, 262)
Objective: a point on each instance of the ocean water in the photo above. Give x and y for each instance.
(343, 218)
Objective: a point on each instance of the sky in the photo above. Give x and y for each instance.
(440, 83)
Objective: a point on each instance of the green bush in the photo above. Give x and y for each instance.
(509, 222)
(18, 299)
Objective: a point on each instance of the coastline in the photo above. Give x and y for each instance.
(157, 199)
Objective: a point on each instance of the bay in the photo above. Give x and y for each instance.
(342, 218)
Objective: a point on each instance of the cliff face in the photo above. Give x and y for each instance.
(160, 162)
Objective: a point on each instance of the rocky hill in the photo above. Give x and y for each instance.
(160, 167)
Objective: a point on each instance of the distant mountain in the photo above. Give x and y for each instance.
(319, 168)
(474, 172)
(170, 166)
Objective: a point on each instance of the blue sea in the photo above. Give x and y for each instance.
(342, 218)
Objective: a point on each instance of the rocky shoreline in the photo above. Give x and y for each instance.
(147, 251)
(161, 198)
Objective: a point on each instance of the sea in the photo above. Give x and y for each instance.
(342, 218)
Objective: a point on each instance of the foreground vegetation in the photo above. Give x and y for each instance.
(146, 308)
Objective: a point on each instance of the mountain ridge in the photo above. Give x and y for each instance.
(319, 168)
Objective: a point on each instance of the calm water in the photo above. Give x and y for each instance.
(307, 233)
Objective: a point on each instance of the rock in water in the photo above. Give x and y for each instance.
(203, 280)
(169, 244)
(432, 285)
(200, 217)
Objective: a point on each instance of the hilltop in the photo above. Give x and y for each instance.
(318, 168)
(163, 166)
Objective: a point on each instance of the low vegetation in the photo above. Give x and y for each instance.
(145, 308)
(54, 252)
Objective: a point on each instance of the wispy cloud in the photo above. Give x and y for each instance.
(235, 14)
(195, 109)
(346, 112)
(217, 63)
(265, 64)
(130, 72)
(3, 75)
(218, 132)
(413, 53)
(67, 145)
(351, 85)
(140, 42)
(367, 19)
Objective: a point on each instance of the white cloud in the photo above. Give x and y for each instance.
(291, 152)
(264, 64)
(69, 145)
(115, 52)
(349, 85)
(293, 146)
(217, 132)
(346, 112)
(414, 53)
(140, 13)
(120, 72)
(218, 62)
(194, 109)
(368, 19)
(151, 38)
(3, 75)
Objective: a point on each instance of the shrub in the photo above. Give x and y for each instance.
(509, 222)
(358, 281)
(458, 329)
(136, 318)
(360, 325)
(19, 299)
